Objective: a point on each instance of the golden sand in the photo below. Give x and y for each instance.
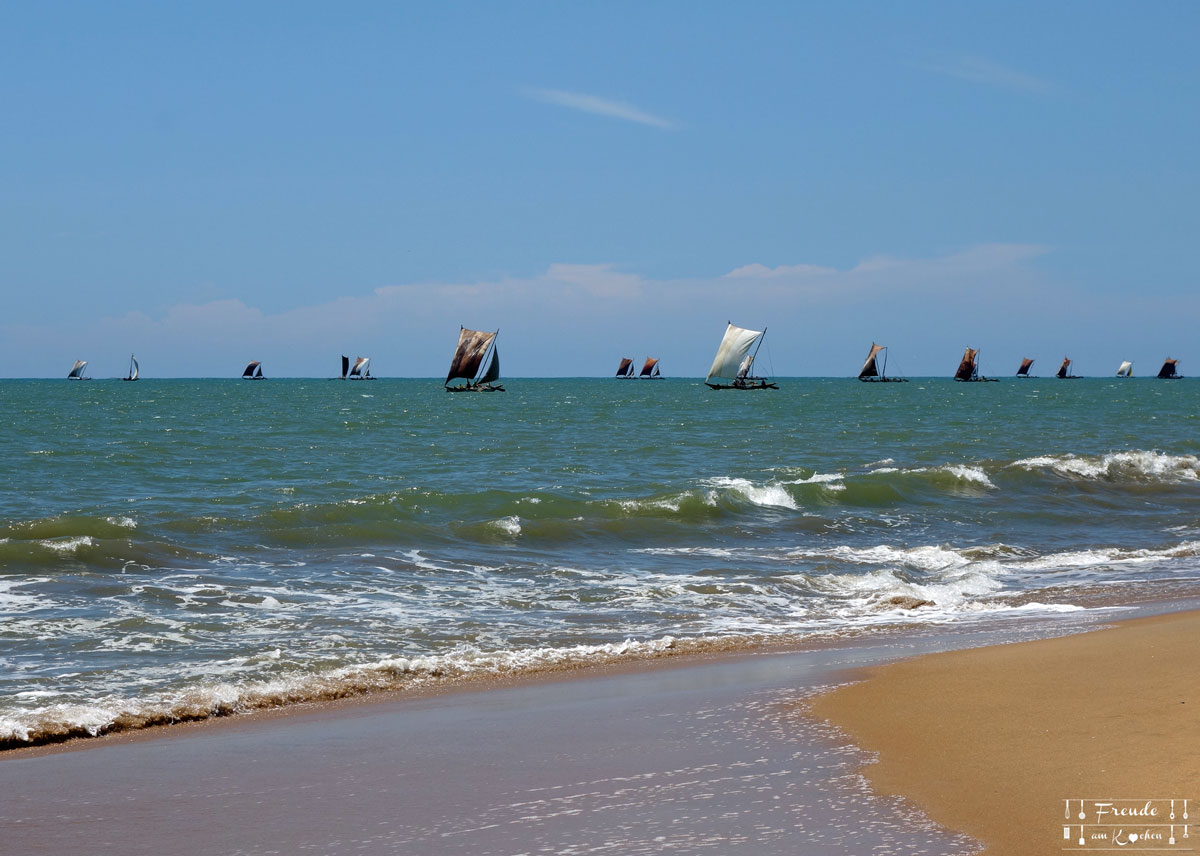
(992, 741)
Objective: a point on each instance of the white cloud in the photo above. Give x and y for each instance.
(975, 69)
(599, 106)
(760, 271)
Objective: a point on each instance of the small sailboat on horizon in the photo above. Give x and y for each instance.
(625, 369)
(1064, 371)
(476, 361)
(1125, 370)
(872, 372)
(253, 371)
(968, 369)
(77, 371)
(360, 370)
(650, 370)
(734, 361)
(1026, 365)
(1169, 370)
(133, 369)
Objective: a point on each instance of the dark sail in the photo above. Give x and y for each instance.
(1023, 371)
(870, 368)
(1168, 369)
(249, 372)
(493, 369)
(650, 369)
(472, 348)
(966, 369)
(626, 367)
(1065, 369)
(345, 365)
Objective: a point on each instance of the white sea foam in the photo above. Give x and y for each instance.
(770, 495)
(1118, 466)
(123, 522)
(510, 525)
(66, 546)
(972, 474)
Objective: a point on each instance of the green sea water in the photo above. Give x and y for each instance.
(176, 548)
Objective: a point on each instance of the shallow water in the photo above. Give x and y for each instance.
(175, 548)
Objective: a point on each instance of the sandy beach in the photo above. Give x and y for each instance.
(700, 755)
(994, 741)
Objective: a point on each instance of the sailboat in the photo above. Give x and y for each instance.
(253, 371)
(1168, 371)
(361, 370)
(872, 372)
(77, 371)
(1064, 371)
(625, 370)
(477, 361)
(1126, 369)
(968, 369)
(133, 369)
(650, 370)
(734, 360)
(1026, 365)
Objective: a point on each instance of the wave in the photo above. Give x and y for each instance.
(1118, 467)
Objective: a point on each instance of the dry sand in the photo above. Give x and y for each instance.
(992, 741)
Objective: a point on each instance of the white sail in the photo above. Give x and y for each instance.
(133, 368)
(77, 369)
(1126, 369)
(734, 348)
(744, 368)
(360, 366)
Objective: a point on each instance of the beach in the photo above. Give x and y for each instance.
(708, 754)
(994, 741)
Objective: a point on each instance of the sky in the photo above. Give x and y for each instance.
(209, 183)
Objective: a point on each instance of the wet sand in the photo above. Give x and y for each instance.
(712, 756)
(992, 741)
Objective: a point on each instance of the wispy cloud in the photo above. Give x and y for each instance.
(599, 106)
(976, 69)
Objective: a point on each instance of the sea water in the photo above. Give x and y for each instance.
(176, 549)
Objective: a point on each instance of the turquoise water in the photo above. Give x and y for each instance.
(171, 549)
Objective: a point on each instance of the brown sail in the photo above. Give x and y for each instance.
(626, 367)
(966, 369)
(1023, 371)
(472, 347)
(650, 369)
(1168, 369)
(1064, 370)
(870, 369)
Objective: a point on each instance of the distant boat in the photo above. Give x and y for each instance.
(968, 369)
(361, 370)
(625, 370)
(133, 369)
(1168, 372)
(734, 361)
(1064, 371)
(650, 370)
(1126, 369)
(1026, 364)
(476, 361)
(872, 372)
(77, 371)
(253, 371)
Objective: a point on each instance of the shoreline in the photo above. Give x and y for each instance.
(670, 755)
(991, 741)
(1098, 607)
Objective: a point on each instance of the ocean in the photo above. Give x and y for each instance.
(176, 549)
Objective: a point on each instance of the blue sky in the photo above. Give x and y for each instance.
(209, 183)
